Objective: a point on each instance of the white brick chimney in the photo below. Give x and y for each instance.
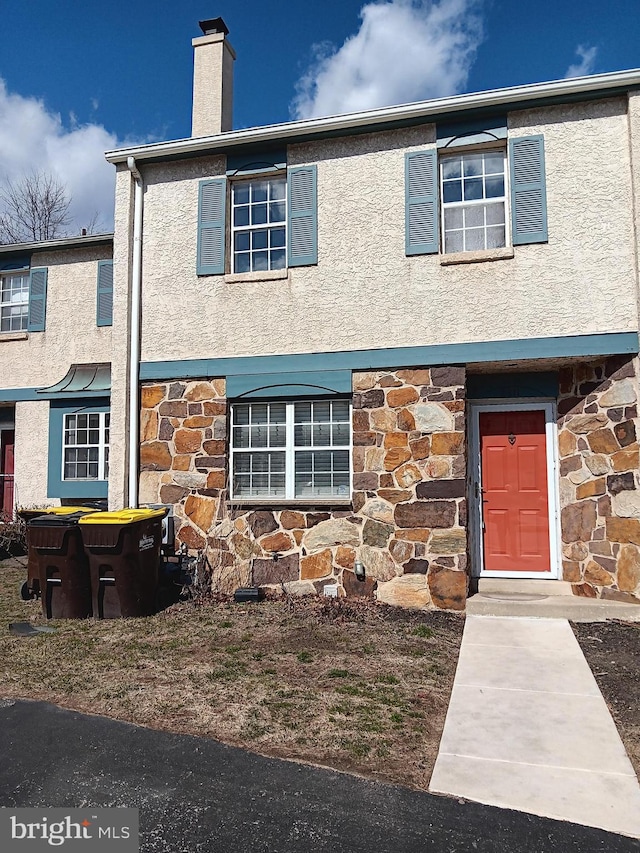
(213, 59)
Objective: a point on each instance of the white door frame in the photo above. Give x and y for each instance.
(475, 481)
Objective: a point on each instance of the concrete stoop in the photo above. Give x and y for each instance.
(548, 599)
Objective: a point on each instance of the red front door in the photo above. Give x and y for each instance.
(515, 497)
(6, 471)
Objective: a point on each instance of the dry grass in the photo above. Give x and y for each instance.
(348, 685)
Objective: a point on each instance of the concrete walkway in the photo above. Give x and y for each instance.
(528, 729)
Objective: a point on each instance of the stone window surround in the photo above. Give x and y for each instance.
(259, 275)
(503, 254)
(14, 336)
(303, 503)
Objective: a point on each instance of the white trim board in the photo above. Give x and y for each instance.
(475, 480)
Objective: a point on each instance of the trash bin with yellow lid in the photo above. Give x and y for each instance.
(31, 587)
(124, 555)
(55, 547)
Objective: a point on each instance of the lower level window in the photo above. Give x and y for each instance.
(294, 450)
(86, 446)
(14, 302)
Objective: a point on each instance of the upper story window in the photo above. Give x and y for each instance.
(14, 302)
(456, 202)
(259, 220)
(248, 224)
(291, 450)
(86, 446)
(473, 201)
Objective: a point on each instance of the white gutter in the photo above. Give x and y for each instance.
(62, 243)
(422, 109)
(134, 332)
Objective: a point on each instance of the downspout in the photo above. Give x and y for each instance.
(134, 332)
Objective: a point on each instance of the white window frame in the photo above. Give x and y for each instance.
(5, 276)
(251, 229)
(103, 446)
(289, 451)
(450, 154)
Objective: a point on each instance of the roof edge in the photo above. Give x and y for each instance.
(596, 83)
(62, 243)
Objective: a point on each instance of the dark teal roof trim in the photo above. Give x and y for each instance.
(256, 158)
(579, 346)
(307, 384)
(15, 262)
(483, 386)
(28, 395)
(62, 243)
(465, 127)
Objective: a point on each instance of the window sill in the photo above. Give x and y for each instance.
(297, 502)
(14, 336)
(477, 257)
(264, 275)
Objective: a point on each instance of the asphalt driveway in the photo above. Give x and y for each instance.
(195, 794)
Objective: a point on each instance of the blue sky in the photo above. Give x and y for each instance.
(78, 76)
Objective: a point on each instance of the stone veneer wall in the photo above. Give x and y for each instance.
(599, 480)
(407, 519)
(183, 435)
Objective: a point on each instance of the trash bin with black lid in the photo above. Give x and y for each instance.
(124, 555)
(63, 568)
(31, 587)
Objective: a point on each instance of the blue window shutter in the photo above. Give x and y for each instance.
(528, 190)
(37, 299)
(104, 305)
(212, 209)
(302, 211)
(421, 202)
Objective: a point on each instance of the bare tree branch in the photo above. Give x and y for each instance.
(34, 208)
(95, 224)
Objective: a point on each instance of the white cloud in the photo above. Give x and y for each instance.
(405, 50)
(34, 139)
(587, 56)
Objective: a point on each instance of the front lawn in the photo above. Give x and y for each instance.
(346, 684)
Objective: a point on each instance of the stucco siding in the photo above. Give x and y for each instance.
(31, 455)
(634, 153)
(365, 292)
(71, 334)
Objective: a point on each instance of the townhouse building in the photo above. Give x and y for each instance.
(55, 357)
(402, 342)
